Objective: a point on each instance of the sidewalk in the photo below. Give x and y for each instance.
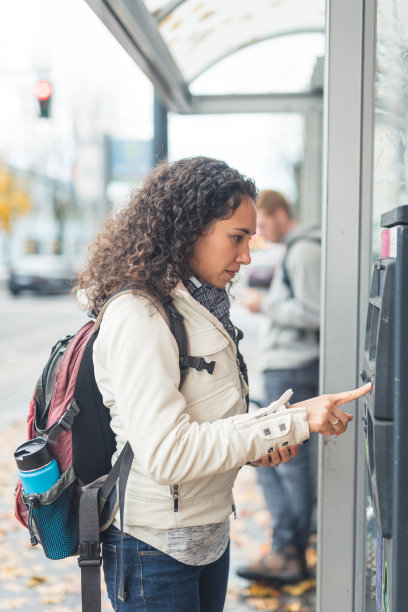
(29, 581)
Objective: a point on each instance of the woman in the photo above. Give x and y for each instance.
(185, 233)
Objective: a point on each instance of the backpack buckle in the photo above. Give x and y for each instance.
(198, 363)
(67, 419)
(201, 364)
(89, 554)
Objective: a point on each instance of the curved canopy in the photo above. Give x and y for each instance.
(174, 41)
(200, 33)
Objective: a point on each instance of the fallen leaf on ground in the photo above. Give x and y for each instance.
(261, 590)
(264, 604)
(13, 604)
(296, 606)
(9, 571)
(35, 581)
(300, 587)
(52, 598)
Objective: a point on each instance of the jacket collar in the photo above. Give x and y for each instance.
(182, 293)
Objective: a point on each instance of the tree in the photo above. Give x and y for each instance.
(14, 203)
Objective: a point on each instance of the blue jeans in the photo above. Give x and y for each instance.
(155, 582)
(288, 488)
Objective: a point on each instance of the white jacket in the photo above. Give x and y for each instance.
(188, 444)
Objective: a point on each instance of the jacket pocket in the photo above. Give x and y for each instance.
(215, 405)
(211, 345)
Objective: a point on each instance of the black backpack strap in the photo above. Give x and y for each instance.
(126, 464)
(242, 365)
(92, 501)
(89, 559)
(285, 274)
(177, 328)
(63, 424)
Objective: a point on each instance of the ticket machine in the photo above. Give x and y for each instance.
(386, 409)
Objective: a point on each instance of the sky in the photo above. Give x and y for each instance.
(99, 90)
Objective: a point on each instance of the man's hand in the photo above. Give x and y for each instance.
(251, 299)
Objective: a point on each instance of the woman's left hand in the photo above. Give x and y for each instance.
(283, 454)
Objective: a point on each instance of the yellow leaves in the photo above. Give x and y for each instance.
(14, 199)
(9, 572)
(260, 590)
(35, 581)
(299, 588)
(263, 597)
(6, 181)
(296, 606)
(14, 603)
(264, 604)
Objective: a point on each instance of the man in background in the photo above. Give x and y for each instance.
(290, 357)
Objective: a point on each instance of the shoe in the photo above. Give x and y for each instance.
(284, 566)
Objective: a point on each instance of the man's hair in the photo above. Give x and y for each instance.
(270, 201)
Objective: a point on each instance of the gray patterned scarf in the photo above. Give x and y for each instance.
(215, 300)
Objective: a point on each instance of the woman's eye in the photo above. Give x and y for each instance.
(237, 238)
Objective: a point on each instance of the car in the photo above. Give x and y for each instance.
(44, 274)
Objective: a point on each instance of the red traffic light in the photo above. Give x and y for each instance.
(43, 90)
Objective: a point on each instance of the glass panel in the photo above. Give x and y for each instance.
(371, 553)
(268, 148)
(282, 64)
(390, 189)
(198, 33)
(156, 6)
(391, 112)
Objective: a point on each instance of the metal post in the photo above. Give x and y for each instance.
(160, 149)
(344, 264)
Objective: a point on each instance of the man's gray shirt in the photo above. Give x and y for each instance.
(293, 316)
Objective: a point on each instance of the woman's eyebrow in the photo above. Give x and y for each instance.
(242, 229)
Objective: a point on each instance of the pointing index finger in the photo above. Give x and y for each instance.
(349, 396)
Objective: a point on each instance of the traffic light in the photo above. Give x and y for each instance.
(43, 93)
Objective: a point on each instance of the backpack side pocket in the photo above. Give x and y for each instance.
(53, 517)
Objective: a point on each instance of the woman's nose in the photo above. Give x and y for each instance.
(244, 256)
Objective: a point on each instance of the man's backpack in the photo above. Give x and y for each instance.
(309, 236)
(67, 409)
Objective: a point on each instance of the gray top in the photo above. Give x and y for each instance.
(191, 545)
(292, 339)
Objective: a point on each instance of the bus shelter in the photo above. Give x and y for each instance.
(355, 164)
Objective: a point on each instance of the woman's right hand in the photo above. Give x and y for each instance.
(323, 413)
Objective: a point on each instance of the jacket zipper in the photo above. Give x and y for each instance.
(176, 490)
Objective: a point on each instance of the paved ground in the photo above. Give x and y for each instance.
(28, 581)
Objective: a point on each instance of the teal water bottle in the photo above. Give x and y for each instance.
(37, 469)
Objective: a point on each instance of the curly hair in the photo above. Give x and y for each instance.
(147, 245)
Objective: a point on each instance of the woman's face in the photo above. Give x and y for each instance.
(221, 250)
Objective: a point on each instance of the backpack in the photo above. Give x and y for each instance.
(67, 409)
(285, 274)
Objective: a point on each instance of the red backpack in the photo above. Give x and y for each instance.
(67, 409)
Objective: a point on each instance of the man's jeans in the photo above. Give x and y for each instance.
(155, 582)
(288, 488)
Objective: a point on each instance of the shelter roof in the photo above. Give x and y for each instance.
(174, 41)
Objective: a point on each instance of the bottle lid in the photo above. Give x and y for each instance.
(32, 454)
